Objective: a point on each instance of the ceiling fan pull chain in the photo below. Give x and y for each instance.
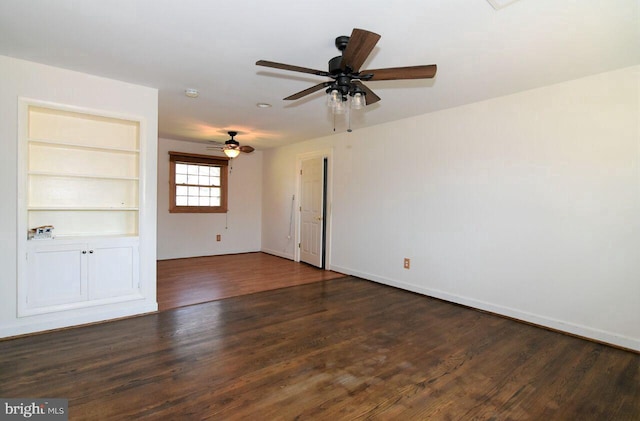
(226, 214)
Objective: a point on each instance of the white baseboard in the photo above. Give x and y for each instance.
(278, 253)
(222, 253)
(73, 320)
(560, 325)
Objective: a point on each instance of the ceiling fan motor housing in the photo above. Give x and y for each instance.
(344, 84)
(232, 142)
(341, 76)
(335, 65)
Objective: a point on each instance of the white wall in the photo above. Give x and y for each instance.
(188, 234)
(20, 78)
(526, 205)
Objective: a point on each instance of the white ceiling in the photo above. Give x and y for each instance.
(213, 45)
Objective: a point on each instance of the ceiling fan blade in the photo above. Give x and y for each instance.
(246, 149)
(360, 45)
(396, 73)
(308, 91)
(369, 96)
(290, 67)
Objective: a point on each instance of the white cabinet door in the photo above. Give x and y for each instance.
(57, 275)
(113, 270)
(65, 274)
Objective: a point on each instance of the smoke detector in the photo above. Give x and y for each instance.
(191, 93)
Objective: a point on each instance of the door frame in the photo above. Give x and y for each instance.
(328, 188)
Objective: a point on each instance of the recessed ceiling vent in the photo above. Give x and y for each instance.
(501, 4)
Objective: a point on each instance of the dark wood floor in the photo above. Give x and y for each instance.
(334, 350)
(200, 279)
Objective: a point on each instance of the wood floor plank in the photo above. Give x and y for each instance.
(197, 280)
(339, 349)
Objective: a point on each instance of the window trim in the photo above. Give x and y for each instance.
(221, 161)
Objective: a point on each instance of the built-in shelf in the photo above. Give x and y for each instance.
(65, 144)
(67, 239)
(61, 174)
(81, 208)
(79, 172)
(82, 172)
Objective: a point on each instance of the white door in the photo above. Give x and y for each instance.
(311, 214)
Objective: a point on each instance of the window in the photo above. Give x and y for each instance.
(198, 183)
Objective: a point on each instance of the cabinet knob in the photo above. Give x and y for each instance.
(90, 251)
(84, 252)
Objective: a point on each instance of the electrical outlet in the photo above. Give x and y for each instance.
(218, 237)
(407, 263)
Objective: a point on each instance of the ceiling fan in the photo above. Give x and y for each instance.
(231, 147)
(347, 78)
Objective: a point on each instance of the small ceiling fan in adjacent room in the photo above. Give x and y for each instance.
(231, 147)
(344, 70)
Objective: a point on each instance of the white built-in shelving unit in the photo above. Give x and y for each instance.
(83, 173)
(81, 176)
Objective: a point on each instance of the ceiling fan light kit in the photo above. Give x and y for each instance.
(346, 86)
(232, 148)
(232, 152)
(357, 100)
(339, 94)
